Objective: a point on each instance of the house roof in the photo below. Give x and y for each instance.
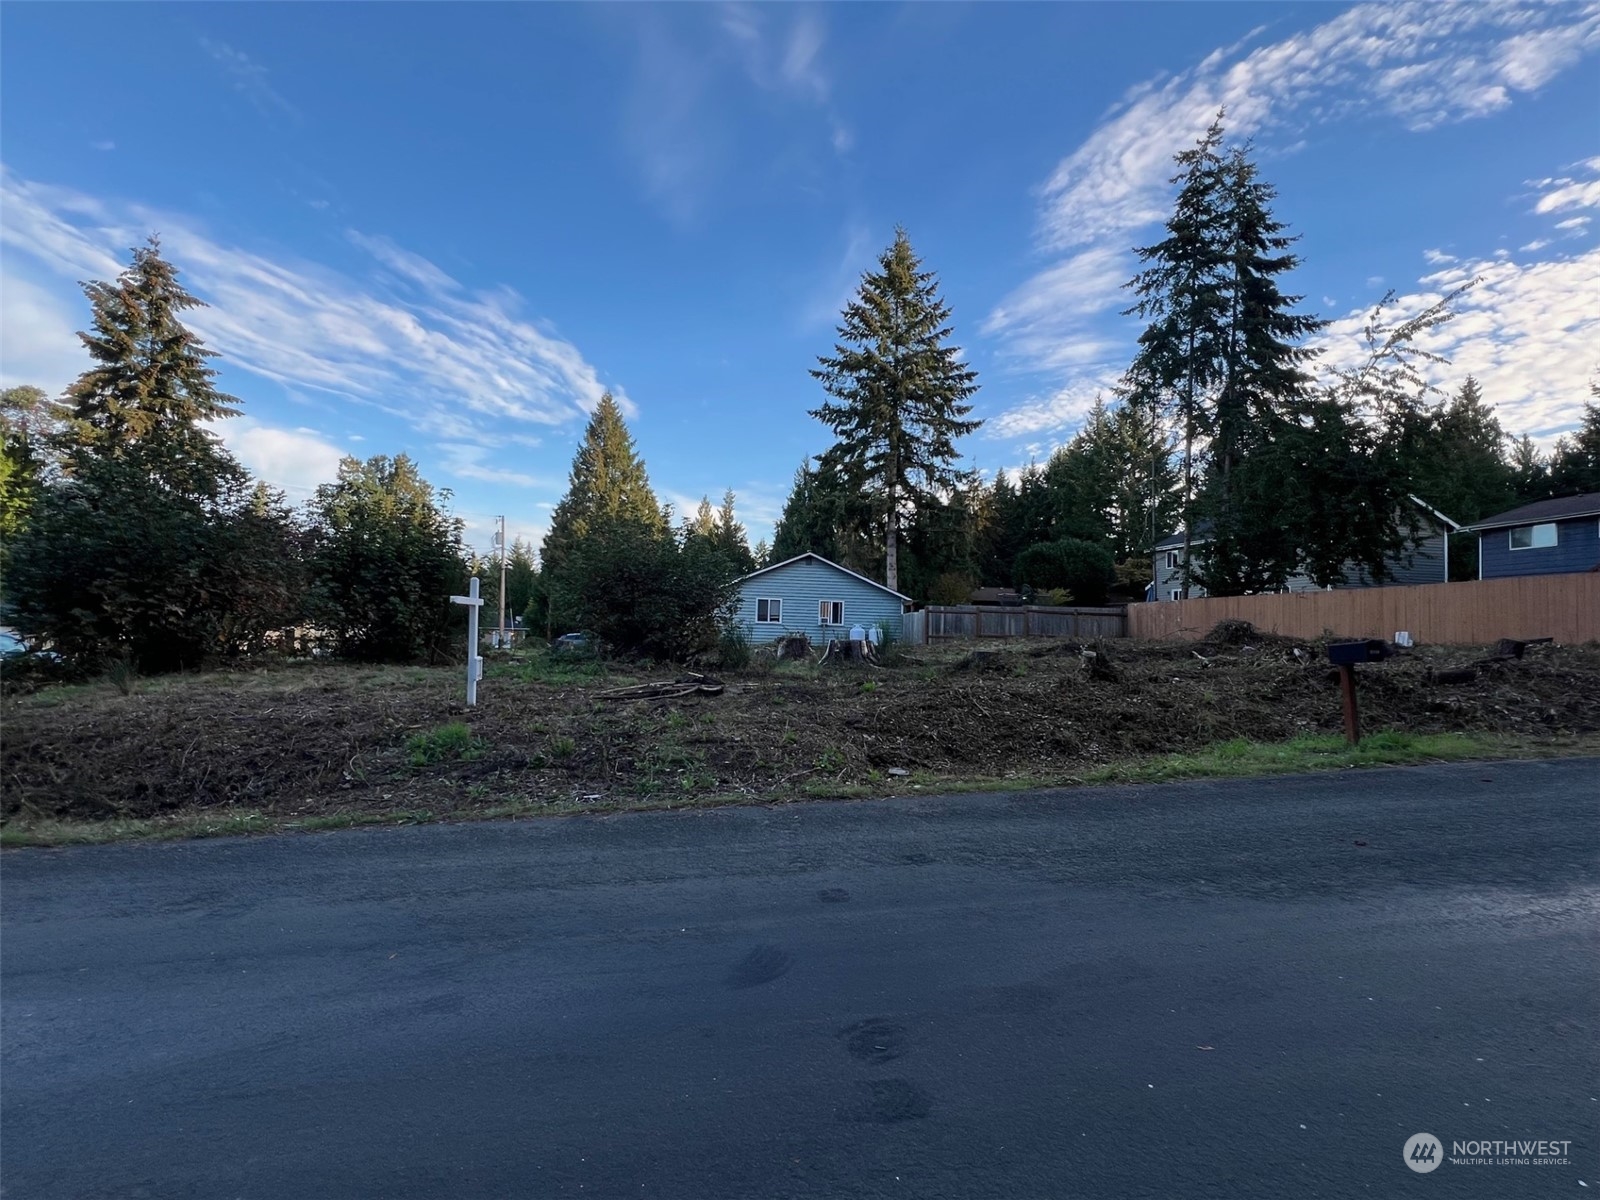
(827, 563)
(1563, 508)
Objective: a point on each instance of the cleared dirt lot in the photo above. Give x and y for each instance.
(303, 741)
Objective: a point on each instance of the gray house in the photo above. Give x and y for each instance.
(1549, 537)
(810, 595)
(1429, 562)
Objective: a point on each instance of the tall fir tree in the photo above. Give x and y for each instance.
(607, 486)
(1181, 292)
(152, 388)
(1263, 394)
(900, 394)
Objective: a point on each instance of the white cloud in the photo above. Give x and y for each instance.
(1565, 193)
(466, 461)
(457, 366)
(1530, 333)
(107, 144)
(1043, 320)
(1065, 407)
(38, 343)
(296, 460)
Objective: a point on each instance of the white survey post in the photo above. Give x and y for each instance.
(474, 664)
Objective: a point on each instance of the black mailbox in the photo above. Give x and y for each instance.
(1348, 654)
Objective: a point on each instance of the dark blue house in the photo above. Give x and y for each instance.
(1550, 537)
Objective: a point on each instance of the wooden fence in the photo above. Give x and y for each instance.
(941, 623)
(1565, 607)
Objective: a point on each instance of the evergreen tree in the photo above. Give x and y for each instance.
(521, 578)
(731, 539)
(25, 431)
(1181, 291)
(152, 385)
(149, 545)
(1530, 471)
(385, 560)
(900, 394)
(607, 485)
(822, 515)
(1575, 464)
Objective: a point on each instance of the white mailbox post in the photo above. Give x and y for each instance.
(474, 663)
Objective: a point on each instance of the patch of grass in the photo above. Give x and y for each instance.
(448, 743)
(562, 747)
(540, 666)
(1320, 752)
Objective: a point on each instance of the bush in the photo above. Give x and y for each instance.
(1082, 568)
(645, 593)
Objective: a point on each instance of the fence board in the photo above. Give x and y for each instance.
(1565, 607)
(939, 623)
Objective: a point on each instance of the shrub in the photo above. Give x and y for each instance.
(1082, 568)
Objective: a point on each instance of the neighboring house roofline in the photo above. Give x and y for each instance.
(1542, 512)
(827, 562)
(1453, 526)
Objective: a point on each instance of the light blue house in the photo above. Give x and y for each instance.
(810, 595)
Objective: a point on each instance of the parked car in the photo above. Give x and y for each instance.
(575, 643)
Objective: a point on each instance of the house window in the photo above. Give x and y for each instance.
(1172, 560)
(831, 612)
(1177, 594)
(1533, 537)
(769, 612)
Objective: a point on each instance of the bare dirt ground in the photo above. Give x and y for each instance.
(314, 739)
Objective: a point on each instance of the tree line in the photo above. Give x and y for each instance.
(1224, 425)
(132, 536)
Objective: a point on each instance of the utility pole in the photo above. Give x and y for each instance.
(500, 540)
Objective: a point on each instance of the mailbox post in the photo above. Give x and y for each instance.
(1345, 656)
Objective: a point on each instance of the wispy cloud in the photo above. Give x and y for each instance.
(105, 144)
(249, 79)
(457, 365)
(1564, 193)
(1530, 333)
(1423, 64)
(1427, 64)
(678, 124)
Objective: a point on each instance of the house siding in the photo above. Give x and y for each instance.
(802, 586)
(1425, 564)
(1577, 548)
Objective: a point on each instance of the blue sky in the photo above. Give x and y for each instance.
(446, 229)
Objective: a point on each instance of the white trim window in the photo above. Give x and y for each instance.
(1533, 537)
(769, 612)
(1176, 594)
(830, 612)
(1172, 560)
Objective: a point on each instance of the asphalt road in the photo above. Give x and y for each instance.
(1232, 989)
